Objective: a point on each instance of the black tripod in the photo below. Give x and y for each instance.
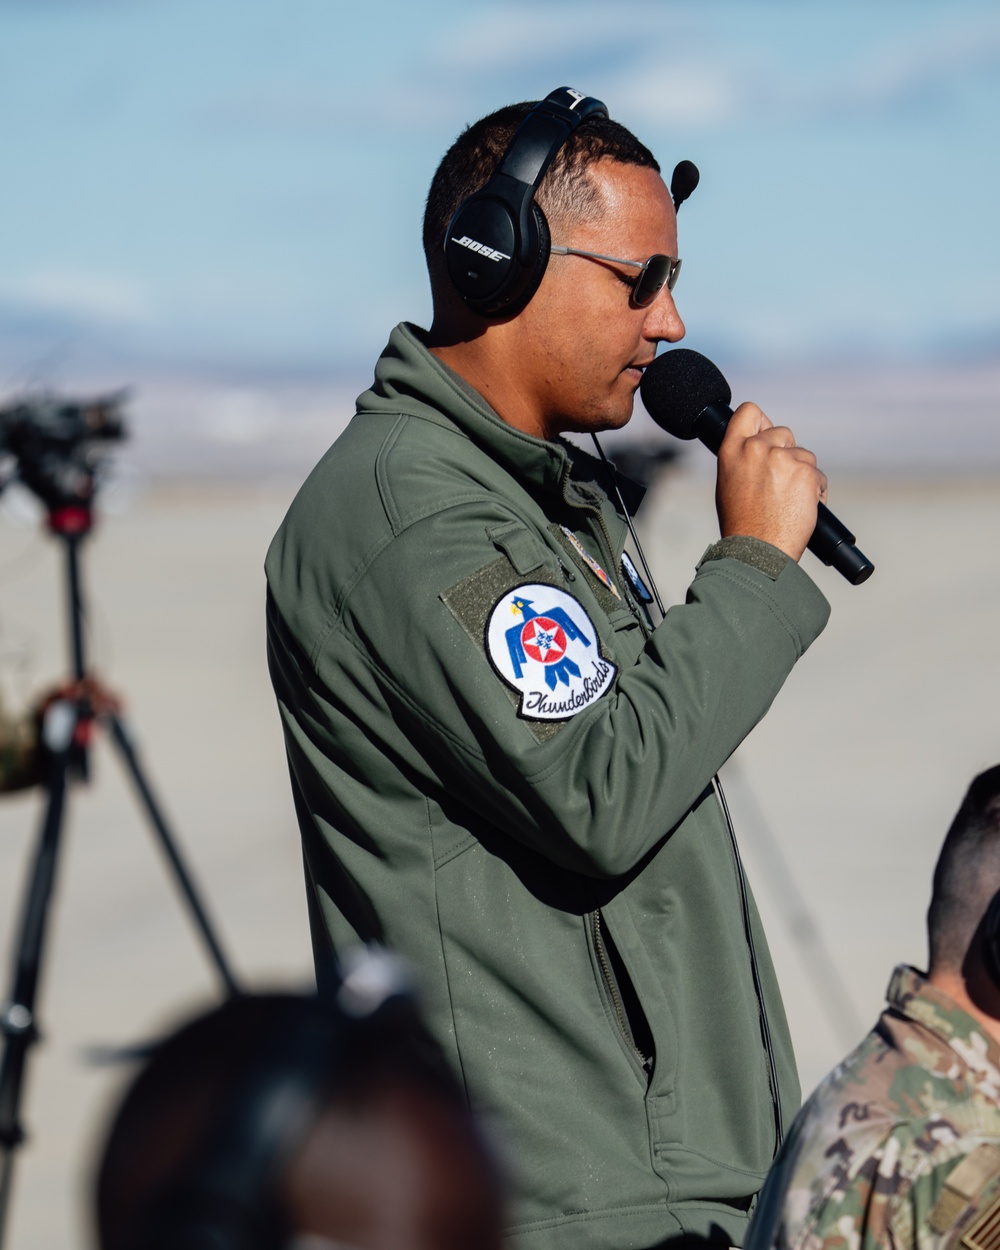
(66, 733)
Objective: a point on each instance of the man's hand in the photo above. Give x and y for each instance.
(102, 701)
(767, 487)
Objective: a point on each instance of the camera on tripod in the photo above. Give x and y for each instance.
(57, 447)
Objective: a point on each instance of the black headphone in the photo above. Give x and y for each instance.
(497, 243)
(991, 939)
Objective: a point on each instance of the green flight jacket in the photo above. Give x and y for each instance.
(566, 889)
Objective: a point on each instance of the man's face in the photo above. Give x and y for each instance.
(581, 344)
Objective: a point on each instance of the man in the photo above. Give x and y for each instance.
(500, 766)
(278, 1121)
(900, 1145)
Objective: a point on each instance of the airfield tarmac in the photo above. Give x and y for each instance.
(841, 796)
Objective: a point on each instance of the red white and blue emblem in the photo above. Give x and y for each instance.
(541, 642)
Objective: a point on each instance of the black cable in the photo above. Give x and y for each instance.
(613, 477)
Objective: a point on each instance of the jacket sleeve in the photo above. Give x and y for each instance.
(20, 756)
(608, 783)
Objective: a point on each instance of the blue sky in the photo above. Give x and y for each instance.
(200, 185)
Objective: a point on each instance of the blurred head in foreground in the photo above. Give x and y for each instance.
(282, 1121)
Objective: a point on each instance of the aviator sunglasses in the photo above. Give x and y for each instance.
(655, 274)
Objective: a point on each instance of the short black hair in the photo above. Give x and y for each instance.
(967, 874)
(195, 1079)
(474, 156)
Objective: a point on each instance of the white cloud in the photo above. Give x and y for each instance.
(678, 64)
(704, 66)
(760, 86)
(690, 95)
(924, 62)
(108, 298)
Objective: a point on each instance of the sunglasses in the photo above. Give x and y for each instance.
(654, 274)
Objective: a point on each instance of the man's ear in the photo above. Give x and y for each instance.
(990, 940)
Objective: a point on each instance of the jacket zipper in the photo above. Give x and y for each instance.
(611, 984)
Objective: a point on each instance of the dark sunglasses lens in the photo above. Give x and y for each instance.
(653, 279)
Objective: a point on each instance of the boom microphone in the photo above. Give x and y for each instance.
(688, 397)
(685, 178)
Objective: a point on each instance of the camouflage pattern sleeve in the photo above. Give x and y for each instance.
(20, 758)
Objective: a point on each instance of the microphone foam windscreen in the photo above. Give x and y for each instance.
(685, 178)
(678, 386)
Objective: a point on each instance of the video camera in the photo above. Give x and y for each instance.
(55, 446)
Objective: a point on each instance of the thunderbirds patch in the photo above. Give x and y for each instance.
(541, 642)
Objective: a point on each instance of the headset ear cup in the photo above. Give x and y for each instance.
(480, 247)
(991, 939)
(494, 283)
(492, 267)
(541, 245)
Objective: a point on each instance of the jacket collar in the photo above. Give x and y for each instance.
(410, 379)
(911, 995)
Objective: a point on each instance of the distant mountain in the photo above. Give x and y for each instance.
(230, 422)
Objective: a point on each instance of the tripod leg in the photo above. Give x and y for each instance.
(18, 1019)
(124, 744)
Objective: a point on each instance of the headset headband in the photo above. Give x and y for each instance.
(533, 148)
(497, 243)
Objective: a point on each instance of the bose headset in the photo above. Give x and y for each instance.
(497, 243)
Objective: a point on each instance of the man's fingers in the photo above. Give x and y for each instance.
(802, 453)
(768, 486)
(749, 420)
(782, 436)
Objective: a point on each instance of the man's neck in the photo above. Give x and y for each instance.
(477, 362)
(980, 1003)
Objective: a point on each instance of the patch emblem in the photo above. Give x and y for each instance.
(589, 561)
(638, 585)
(542, 643)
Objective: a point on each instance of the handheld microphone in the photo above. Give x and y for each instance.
(688, 397)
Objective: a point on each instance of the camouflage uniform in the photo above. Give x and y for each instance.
(20, 764)
(900, 1145)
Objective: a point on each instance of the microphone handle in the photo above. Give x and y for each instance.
(831, 540)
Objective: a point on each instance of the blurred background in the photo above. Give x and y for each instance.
(218, 205)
